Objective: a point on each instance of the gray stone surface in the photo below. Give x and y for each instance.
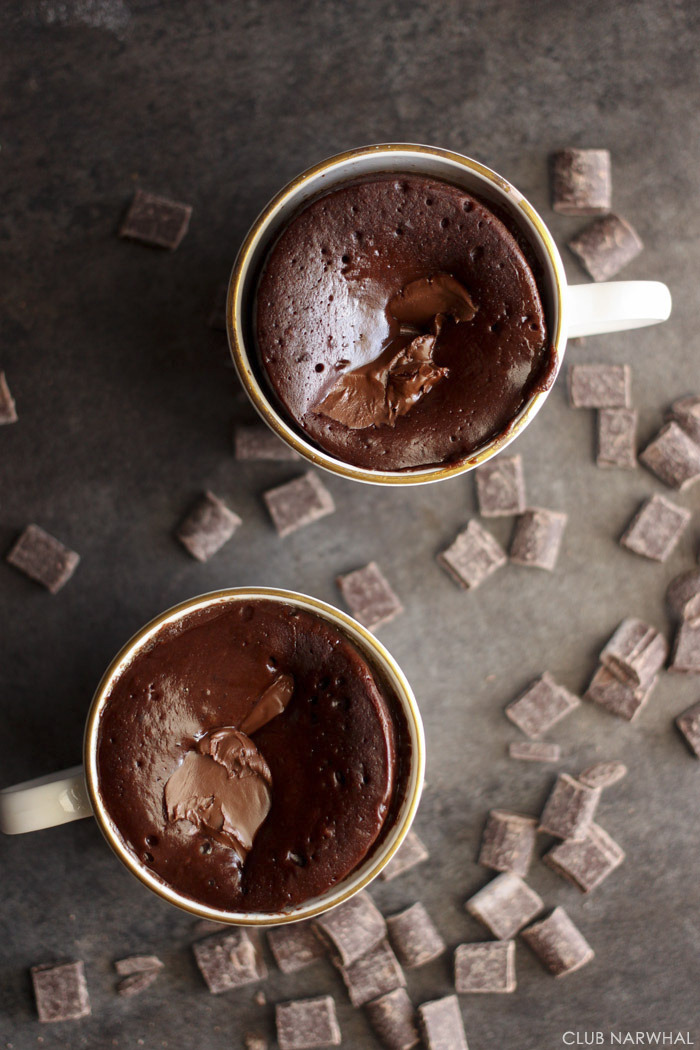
(126, 405)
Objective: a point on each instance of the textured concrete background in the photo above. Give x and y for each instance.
(126, 405)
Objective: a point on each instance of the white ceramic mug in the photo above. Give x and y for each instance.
(75, 793)
(578, 310)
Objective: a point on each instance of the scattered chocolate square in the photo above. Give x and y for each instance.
(537, 538)
(136, 983)
(542, 705)
(534, 751)
(500, 487)
(606, 246)
(673, 457)
(60, 991)
(353, 928)
(505, 905)
(618, 698)
(156, 221)
(217, 317)
(298, 503)
(43, 558)
(375, 974)
(394, 1020)
(558, 944)
(369, 596)
(686, 649)
(412, 851)
(683, 596)
(306, 1023)
(508, 842)
(689, 724)
(600, 386)
(603, 774)
(254, 441)
(686, 412)
(208, 526)
(635, 653)
(588, 862)
(414, 937)
(569, 809)
(442, 1025)
(229, 960)
(656, 528)
(8, 412)
(137, 964)
(617, 438)
(473, 556)
(581, 181)
(487, 966)
(295, 946)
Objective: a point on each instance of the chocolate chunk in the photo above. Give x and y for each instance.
(534, 751)
(686, 412)
(414, 937)
(587, 862)
(689, 724)
(603, 774)
(673, 457)
(156, 221)
(412, 851)
(619, 698)
(60, 991)
(600, 386)
(136, 983)
(581, 181)
(617, 438)
(353, 928)
(508, 842)
(43, 558)
(606, 246)
(558, 944)
(541, 706)
(636, 653)
(686, 649)
(537, 538)
(656, 528)
(137, 964)
(473, 556)
(488, 966)
(298, 503)
(393, 1019)
(207, 527)
(569, 809)
(505, 905)
(229, 960)
(307, 1023)
(369, 596)
(217, 317)
(442, 1025)
(500, 487)
(8, 412)
(256, 441)
(683, 596)
(295, 946)
(373, 975)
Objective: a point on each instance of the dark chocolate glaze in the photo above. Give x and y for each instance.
(338, 754)
(321, 311)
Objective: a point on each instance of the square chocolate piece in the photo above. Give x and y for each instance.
(487, 966)
(618, 698)
(500, 487)
(558, 944)
(61, 992)
(588, 862)
(635, 653)
(603, 774)
(295, 946)
(208, 526)
(375, 974)
(229, 960)
(414, 937)
(255, 441)
(537, 538)
(412, 851)
(353, 928)
(156, 221)
(534, 751)
(8, 412)
(686, 649)
(307, 1023)
(600, 386)
(689, 725)
(683, 596)
(505, 905)
(542, 705)
(508, 842)
(298, 503)
(569, 809)
(606, 246)
(394, 1020)
(686, 412)
(369, 596)
(581, 181)
(43, 558)
(656, 528)
(473, 556)
(442, 1025)
(617, 438)
(673, 457)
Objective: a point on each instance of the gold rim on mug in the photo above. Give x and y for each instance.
(388, 668)
(235, 313)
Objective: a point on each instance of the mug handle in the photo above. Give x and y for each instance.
(44, 802)
(615, 306)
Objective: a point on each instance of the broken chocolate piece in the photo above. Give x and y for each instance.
(412, 851)
(606, 246)
(229, 960)
(534, 751)
(537, 538)
(508, 842)
(306, 1023)
(581, 181)
(636, 652)
(673, 457)
(603, 774)
(373, 975)
(297, 503)
(505, 905)
(619, 698)
(473, 556)
(60, 991)
(541, 706)
(8, 412)
(43, 558)
(569, 809)
(369, 595)
(558, 944)
(487, 966)
(686, 412)
(689, 724)
(136, 983)
(414, 937)
(656, 528)
(254, 441)
(353, 928)
(617, 438)
(442, 1025)
(587, 862)
(683, 596)
(156, 221)
(686, 649)
(295, 946)
(393, 1019)
(207, 527)
(500, 487)
(600, 386)
(137, 964)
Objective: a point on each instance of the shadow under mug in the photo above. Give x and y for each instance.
(75, 793)
(578, 310)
